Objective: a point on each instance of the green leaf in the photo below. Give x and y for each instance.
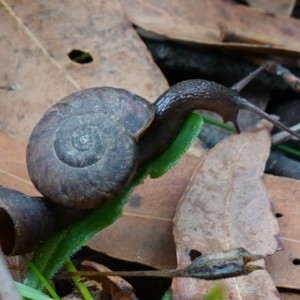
(50, 257)
(167, 295)
(40, 276)
(81, 287)
(216, 293)
(30, 293)
(189, 132)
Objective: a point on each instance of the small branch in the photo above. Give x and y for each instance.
(283, 135)
(290, 79)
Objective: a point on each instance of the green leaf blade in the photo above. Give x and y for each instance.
(181, 144)
(30, 293)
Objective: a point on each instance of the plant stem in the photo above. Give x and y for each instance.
(76, 278)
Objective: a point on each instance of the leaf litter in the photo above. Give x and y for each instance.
(225, 206)
(36, 39)
(25, 55)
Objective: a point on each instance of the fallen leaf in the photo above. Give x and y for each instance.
(227, 206)
(36, 39)
(204, 21)
(284, 266)
(19, 267)
(13, 170)
(112, 287)
(289, 295)
(144, 233)
(281, 7)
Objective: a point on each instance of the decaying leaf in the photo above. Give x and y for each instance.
(284, 265)
(36, 40)
(225, 206)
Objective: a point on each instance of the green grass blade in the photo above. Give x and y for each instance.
(82, 288)
(30, 293)
(40, 277)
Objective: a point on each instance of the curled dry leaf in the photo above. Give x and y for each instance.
(284, 266)
(36, 39)
(225, 206)
(14, 175)
(19, 224)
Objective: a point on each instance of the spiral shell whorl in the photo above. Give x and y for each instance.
(83, 151)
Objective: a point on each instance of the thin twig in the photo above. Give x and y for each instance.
(283, 135)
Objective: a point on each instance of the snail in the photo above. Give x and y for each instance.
(86, 148)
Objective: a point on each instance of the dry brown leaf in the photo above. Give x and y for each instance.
(289, 295)
(112, 287)
(144, 233)
(13, 171)
(36, 38)
(18, 267)
(284, 266)
(200, 21)
(226, 206)
(281, 7)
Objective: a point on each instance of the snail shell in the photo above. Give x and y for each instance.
(84, 149)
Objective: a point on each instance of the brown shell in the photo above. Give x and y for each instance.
(83, 151)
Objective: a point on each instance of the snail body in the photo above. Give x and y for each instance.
(87, 147)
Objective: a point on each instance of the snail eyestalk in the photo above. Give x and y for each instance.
(242, 83)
